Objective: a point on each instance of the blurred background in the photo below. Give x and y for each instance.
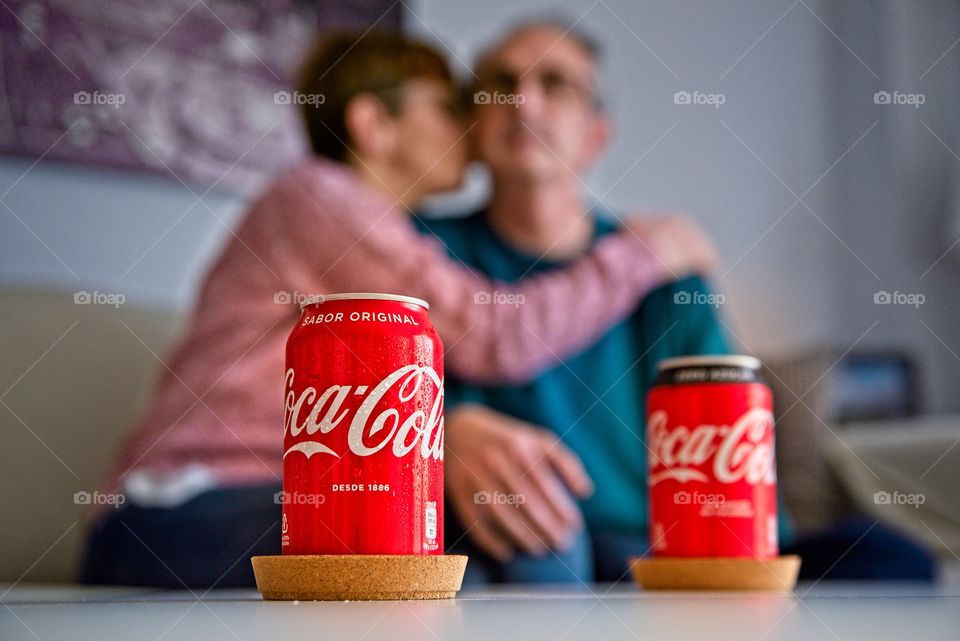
(817, 141)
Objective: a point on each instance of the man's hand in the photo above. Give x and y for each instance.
(682, 246)
(511, 482)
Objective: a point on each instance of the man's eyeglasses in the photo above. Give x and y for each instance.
(556, 85)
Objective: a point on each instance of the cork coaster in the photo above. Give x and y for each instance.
(360, 577)
(676, 573)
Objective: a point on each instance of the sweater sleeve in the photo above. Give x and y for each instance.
(345, 241)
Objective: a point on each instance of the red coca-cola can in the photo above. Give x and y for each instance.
(711, 460)
(363, 428)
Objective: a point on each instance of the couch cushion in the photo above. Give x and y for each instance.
(810, 489)
(73, 379)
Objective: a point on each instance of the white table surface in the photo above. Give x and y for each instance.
(845, 612)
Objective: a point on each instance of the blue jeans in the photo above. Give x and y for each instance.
(208, 541)
(852, 549)
(205, 543)
(593, 556)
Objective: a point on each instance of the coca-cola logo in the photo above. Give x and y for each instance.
(388, 414)
(728, 453)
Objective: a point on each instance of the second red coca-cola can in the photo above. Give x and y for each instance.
(712, 472)
(363, 428)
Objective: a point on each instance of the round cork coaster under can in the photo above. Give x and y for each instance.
(697, 573)
(359, 577)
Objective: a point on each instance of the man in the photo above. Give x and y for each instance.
(546, 480)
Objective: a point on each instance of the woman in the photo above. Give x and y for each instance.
(200, 470)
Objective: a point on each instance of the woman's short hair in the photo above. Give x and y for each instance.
(345, 64)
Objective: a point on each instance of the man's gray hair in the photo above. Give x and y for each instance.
(569, 28)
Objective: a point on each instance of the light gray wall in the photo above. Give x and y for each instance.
(898, 198)
(72, 228)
